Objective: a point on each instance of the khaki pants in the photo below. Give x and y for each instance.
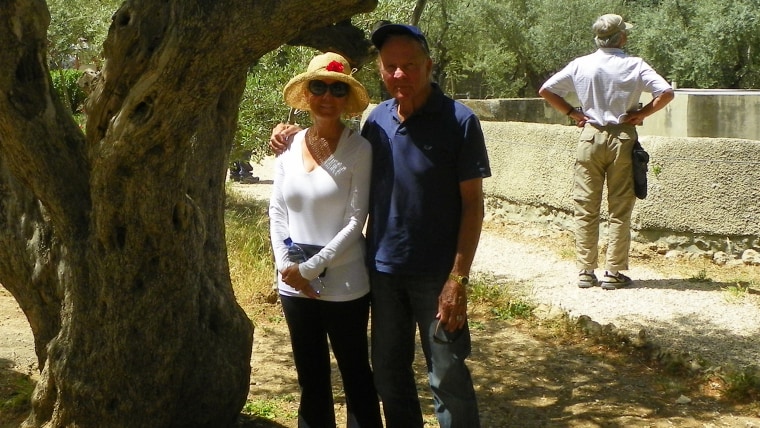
(604, 153)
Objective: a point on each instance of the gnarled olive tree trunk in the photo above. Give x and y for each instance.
(113, 242)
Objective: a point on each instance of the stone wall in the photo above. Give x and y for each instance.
(704, 193)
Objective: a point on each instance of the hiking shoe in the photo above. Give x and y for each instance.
(613, 282)
(587, 279)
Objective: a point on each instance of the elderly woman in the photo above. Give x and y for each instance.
(319, 203)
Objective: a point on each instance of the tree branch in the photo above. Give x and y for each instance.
(343, 38)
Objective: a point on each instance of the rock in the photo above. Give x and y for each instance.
(694, 366)
(683, 400)
(640, 340)
(674, 255)
(589, 326)
(610, 329)
(548, 312)
(751, 257)
(720, 258)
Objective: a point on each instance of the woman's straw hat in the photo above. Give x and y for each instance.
(326, 66)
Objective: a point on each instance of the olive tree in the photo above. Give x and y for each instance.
(112, 241)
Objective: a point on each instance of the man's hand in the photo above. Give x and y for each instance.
(452, 306)
(634, 118)
(280, 138)
(292, 276)
(579, 118)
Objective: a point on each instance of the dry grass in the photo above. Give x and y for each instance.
(250, 256)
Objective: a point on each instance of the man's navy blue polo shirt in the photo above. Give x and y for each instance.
(417, 165)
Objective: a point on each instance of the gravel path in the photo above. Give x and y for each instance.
(682, 315)
(685, 316)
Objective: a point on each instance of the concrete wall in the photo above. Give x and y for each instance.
(714, 113)
(704, 193)
(708, 113)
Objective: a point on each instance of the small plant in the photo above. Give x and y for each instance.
(701, 276)
(67, 88)
(476, 325)
(487, 291)
(567, 253)
(737, 291)
(272, 408)
(513, 310)
(743, 384)
(656, 170)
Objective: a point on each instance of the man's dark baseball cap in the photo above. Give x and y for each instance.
(380, 35)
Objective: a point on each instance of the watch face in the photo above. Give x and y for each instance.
(465, 280)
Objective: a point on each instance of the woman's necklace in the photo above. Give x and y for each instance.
(319, 147)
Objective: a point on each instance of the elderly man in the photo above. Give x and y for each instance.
(609, 84)
(429, 161)
(425, 218)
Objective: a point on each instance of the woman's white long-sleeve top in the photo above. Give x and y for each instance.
(327, 207)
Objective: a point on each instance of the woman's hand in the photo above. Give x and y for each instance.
(292, 276)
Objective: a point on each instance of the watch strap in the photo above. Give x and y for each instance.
(459, 279)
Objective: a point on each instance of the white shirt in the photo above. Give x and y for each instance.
(328, 207)
(608, 83)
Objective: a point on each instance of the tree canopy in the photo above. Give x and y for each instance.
(487, 49)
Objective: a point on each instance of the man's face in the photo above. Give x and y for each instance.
(405, 68)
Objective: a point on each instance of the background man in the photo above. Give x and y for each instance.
(609, 84)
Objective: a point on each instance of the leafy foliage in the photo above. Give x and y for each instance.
(65, 84)
(708, 44)
(262, 106)
(77, 31)
(482, 48)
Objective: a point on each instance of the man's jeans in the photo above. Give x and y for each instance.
(400, 304)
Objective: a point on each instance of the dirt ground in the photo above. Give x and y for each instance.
(526, 377)
(525, 374)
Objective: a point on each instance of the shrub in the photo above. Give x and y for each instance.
(65, 84)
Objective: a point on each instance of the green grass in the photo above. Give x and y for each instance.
(743, 385)
(489, 293)
(15, 395)
(250, 254)
(701, 276)
(272, 408)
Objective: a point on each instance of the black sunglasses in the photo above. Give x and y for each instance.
(337, 89)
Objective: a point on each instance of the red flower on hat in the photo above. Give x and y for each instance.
(334, 66)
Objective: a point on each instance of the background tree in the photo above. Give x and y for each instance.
(77, 31)
(262, 105)
(113, 242)
(705, 44)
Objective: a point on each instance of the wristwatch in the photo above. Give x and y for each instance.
(459, 279)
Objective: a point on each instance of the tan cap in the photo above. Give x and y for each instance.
(608, 25)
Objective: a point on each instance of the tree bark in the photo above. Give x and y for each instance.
(113, 242)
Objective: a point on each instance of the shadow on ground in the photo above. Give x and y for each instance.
(245, 421)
